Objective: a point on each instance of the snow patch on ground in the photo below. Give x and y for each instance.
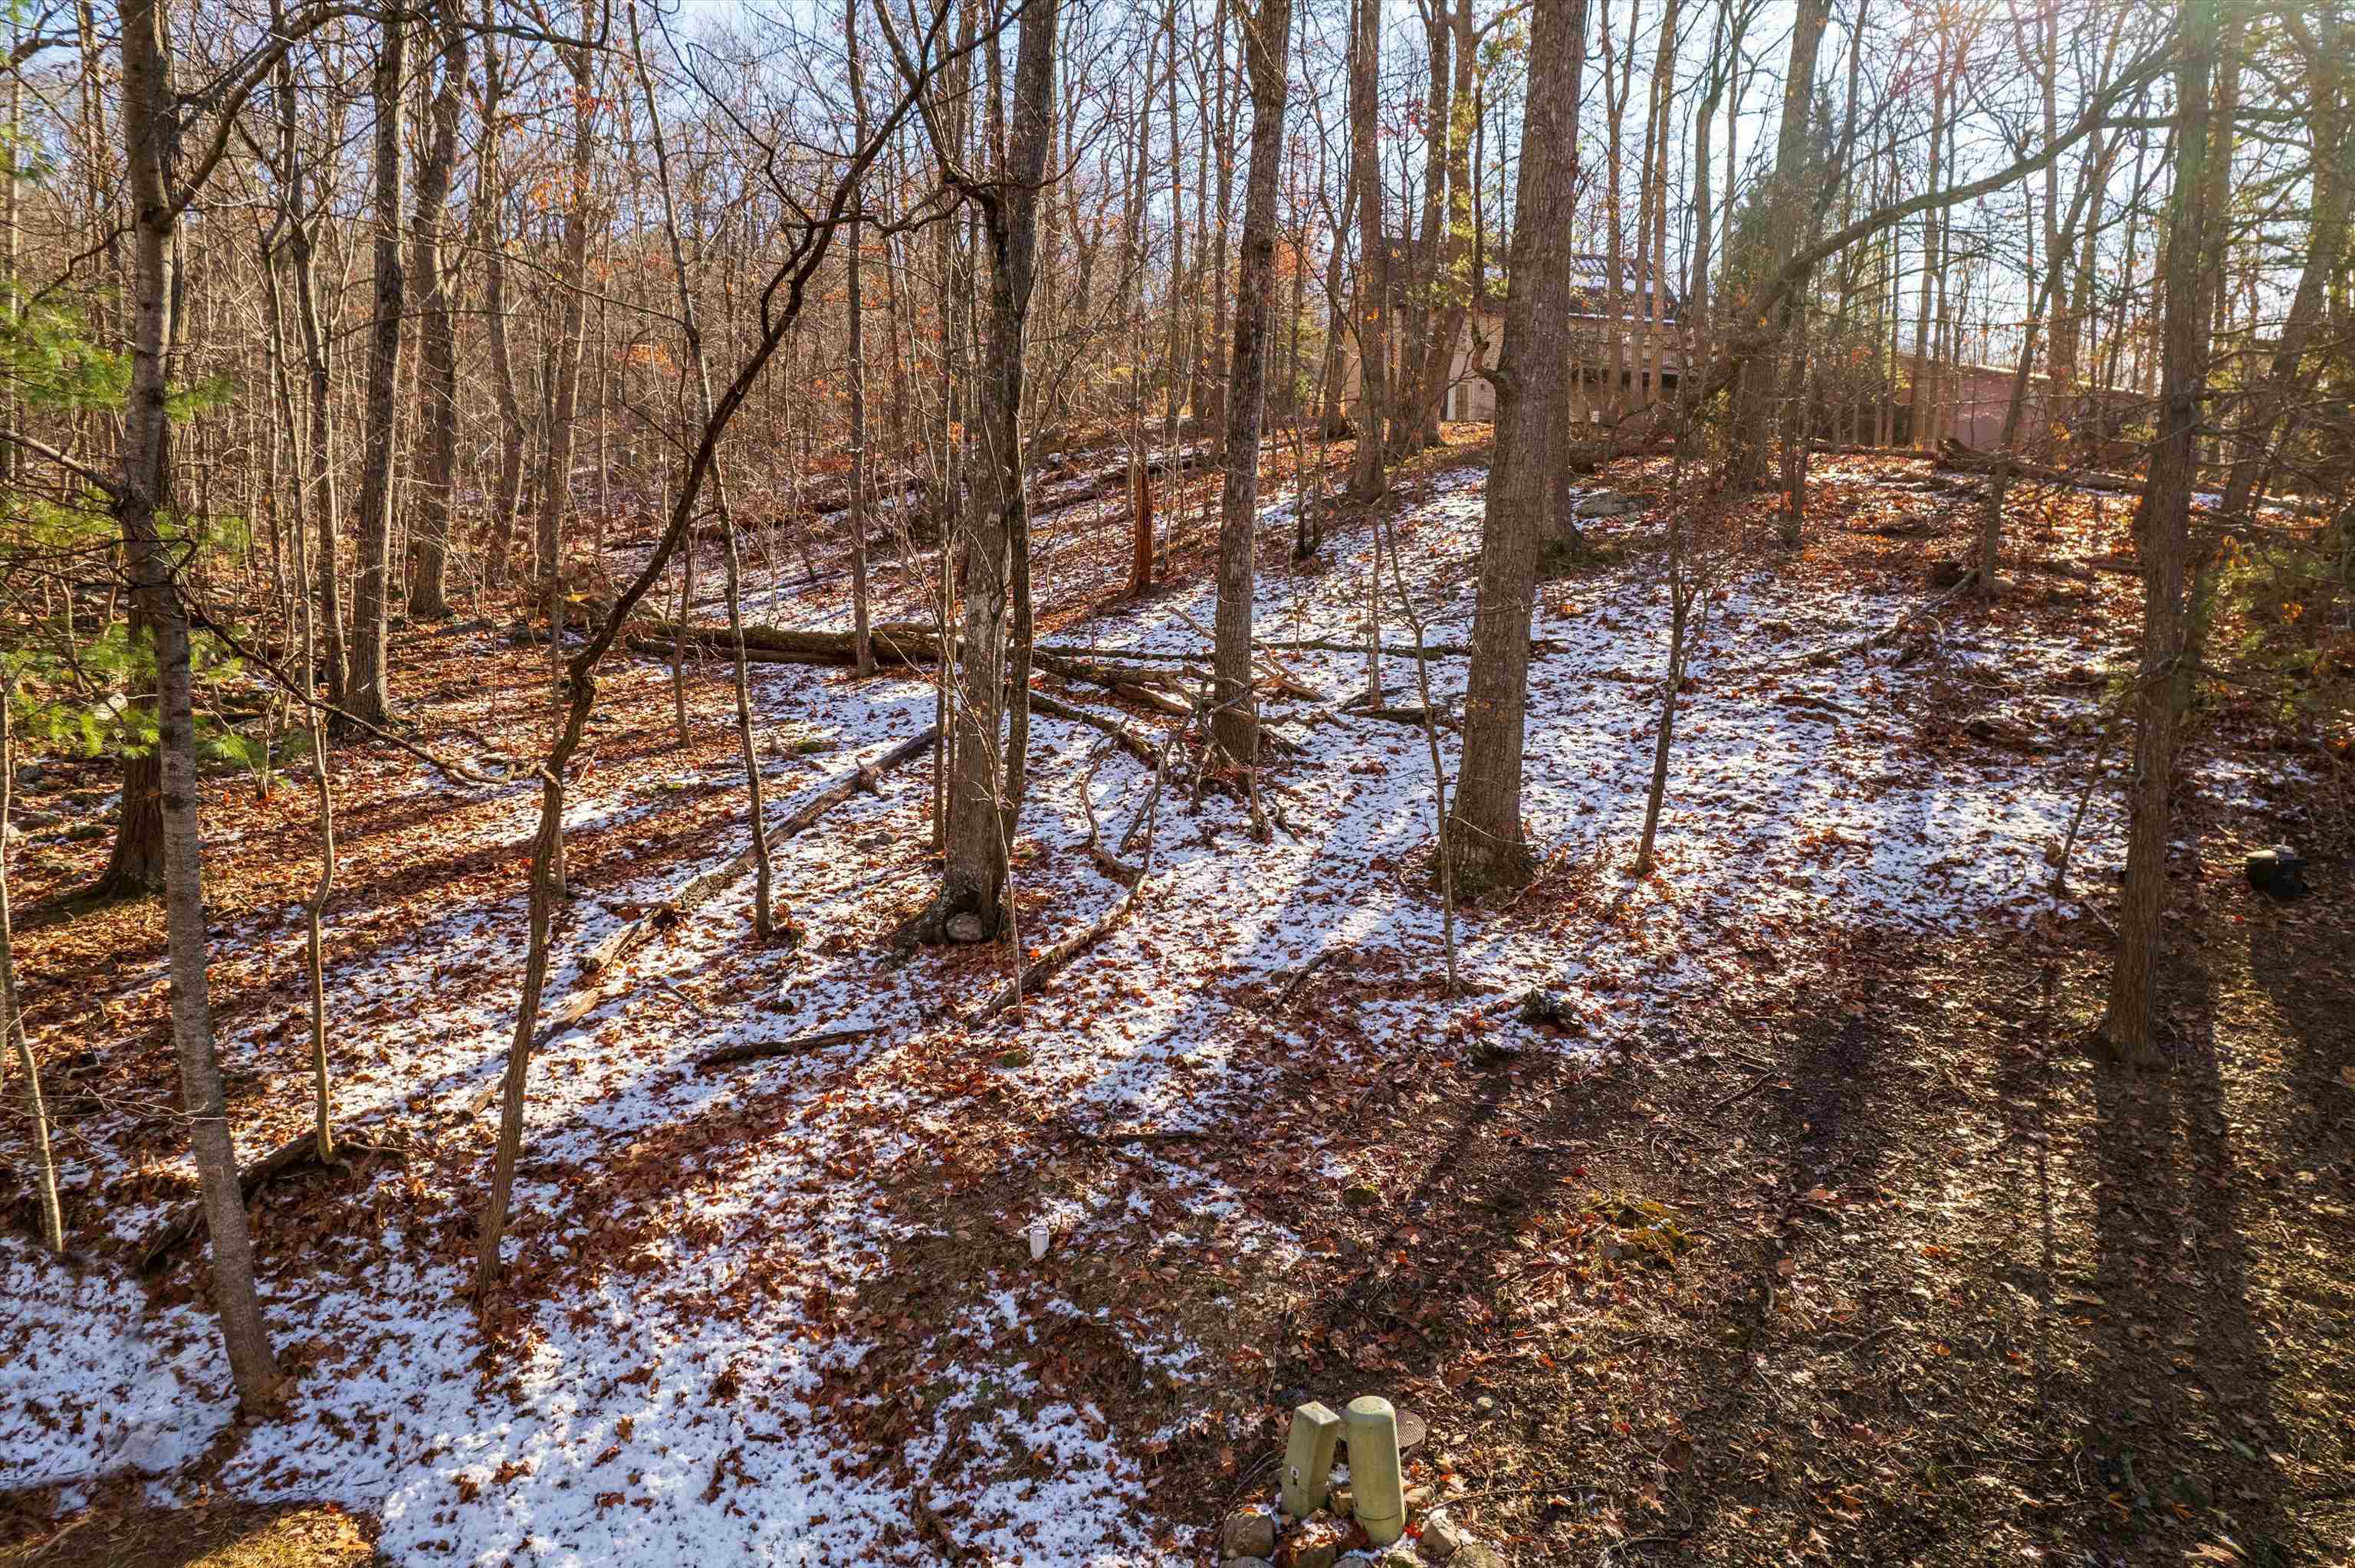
(666, 1411)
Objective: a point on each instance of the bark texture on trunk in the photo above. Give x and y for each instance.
(149, 129)
(1267, 43)
(438, 375)
(2164, 522)
(369, 697)
(1373, 252)
(1781, 231)
(985, 780)
(1526, 481)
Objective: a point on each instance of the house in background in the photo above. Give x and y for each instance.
(1621, 361)
(1648, 330)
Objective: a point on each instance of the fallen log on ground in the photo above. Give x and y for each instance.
(895, 642)
(702, 887)
(767, 1050)
(1954, 455)
(903, 642)
(1135, 745)
(295, 1155)
(1139, 683)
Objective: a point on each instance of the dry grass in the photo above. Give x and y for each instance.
(220, 1535)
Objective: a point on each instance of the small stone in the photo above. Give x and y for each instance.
(1250, 1533)
(1249, 1562)
(1442, 1538)
(1418, 1497)
(1315, 1554)
(1478, 1554)
(965, 929)
(1603, 503)
(1342, 1500)
(1485, 1404)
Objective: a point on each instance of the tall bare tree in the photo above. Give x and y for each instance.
(2163, 680)
(991, 726)
(1267, 52)
(370, 696)
(1526, 481)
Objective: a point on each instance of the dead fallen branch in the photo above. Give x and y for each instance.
(1883, 638)
(1135, 745)
(903, 642)
(1954, 455)
(1140, 683)
(294, 1156)
(766, 1049)
(701, 888)
(1300, 977)
(1079, 941)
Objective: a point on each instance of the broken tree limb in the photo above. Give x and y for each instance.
(702, 887)
(1269, 666)
(1881, 639)
(901, 642)
(766, 1049)
(1300, 977)
(1036, 973)
(296, 1154)
(1135, 745)
(1139, 683)
(1954, 455)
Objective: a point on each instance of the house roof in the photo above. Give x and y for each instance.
(1590, 285)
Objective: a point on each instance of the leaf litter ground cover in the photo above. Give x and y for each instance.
(787, 1309)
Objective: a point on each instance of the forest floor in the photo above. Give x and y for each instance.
(1813, 1232)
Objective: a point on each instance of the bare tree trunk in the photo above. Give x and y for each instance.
(149, 128)
(1267, 53)
(507, 501)
(321, 506)
(986, 785)
(786, 291)
(1526, 481)
(1783, 233)
(429, 546)
(2164, 522)
(2326, 251)
(1683, 584)
(564, 405)
(1373, 252)
(370, 697)
(860, 466)
(1135, 200)
(134, 867)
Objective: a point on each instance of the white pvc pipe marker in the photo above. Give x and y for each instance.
(1374, 1469)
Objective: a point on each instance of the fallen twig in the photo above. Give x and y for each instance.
(763, 1050)
(1079, 941)
(1300, 977)
(702, 887)
(301, 1153)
